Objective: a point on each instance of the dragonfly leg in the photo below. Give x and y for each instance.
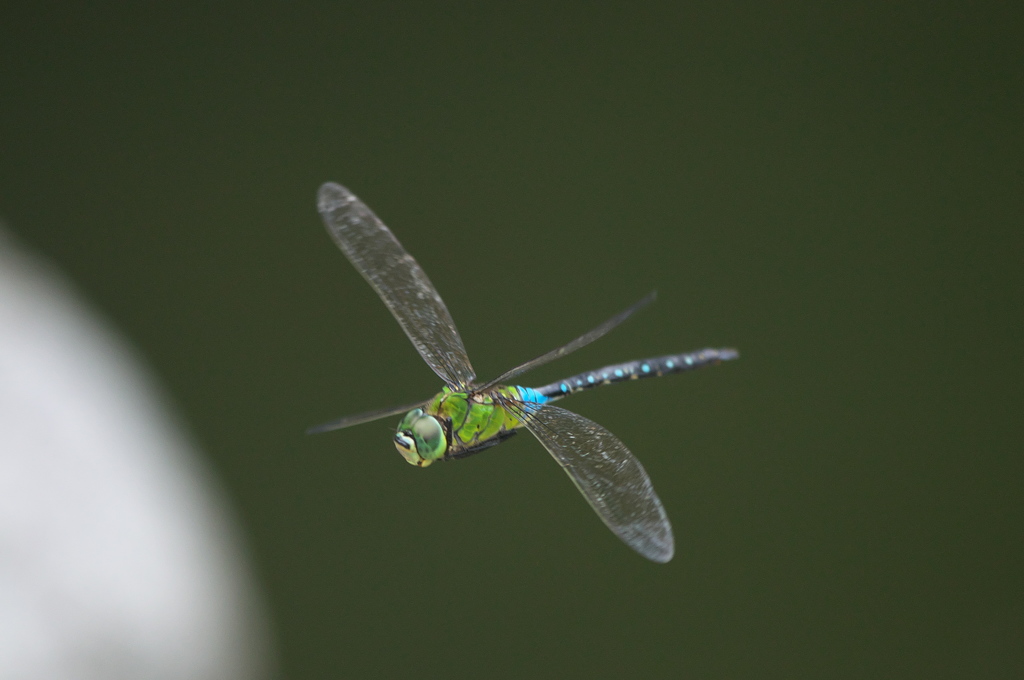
(493, 441)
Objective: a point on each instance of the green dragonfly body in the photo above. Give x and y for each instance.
(466, 417)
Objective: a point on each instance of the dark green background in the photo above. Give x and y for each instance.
(836, 192)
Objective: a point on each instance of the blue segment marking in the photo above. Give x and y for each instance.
(618, 372)
(646, 368)
(530, 395)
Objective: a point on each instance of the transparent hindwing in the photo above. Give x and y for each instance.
(582, 341)
(610, 477)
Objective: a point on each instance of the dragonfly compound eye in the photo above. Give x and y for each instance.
(430, 439)
(410, 418)
(420, 439)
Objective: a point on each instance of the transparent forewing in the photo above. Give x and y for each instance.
(398, 279)
(611, 479)
(360, 418)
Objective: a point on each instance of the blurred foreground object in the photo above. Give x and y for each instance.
(117, 559)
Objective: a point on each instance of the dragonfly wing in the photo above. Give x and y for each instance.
(585, 339)
(398, 279)
(611, 479)
(360, 418)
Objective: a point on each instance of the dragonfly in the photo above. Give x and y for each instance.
(465, 417)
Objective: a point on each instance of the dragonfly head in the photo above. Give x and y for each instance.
(421, 438)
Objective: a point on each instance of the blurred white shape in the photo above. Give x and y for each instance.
(117, 559)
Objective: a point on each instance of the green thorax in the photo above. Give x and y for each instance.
(474, 418)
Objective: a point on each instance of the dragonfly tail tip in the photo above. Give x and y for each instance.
(729, 353)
